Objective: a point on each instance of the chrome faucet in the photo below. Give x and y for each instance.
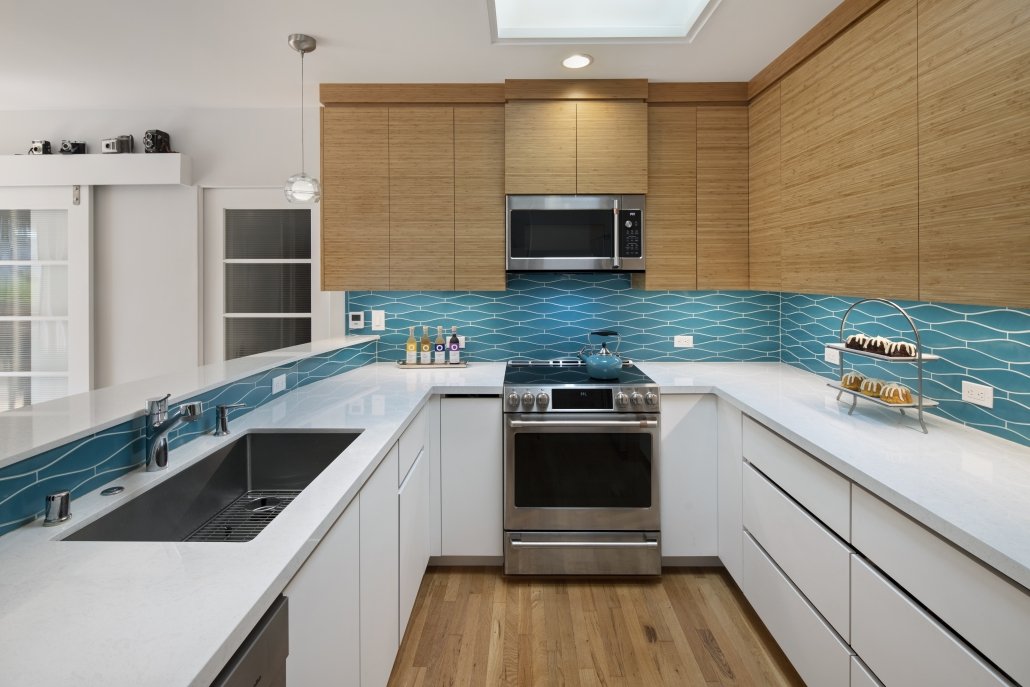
(159, 425)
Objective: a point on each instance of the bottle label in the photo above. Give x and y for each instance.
(455, 356)
(426, 357)
(439, 356)
(411, 358)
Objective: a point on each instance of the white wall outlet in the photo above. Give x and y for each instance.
(379, 320)
(683, 341)
(278, 384)
(356, 320)
(461, 341)
(831, 355)
(978, 394)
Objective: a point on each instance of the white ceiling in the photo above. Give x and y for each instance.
(129, 54)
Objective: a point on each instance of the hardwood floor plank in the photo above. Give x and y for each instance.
(473, 626)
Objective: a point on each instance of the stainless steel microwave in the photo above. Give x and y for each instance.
(575, 233)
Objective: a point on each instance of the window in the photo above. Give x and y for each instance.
(45, 350)
(261, 287)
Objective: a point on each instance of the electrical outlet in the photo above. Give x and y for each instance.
(461, 341)
(278, 384)
(378, 320)
(978, 394)
(831, 355)
(683, 341)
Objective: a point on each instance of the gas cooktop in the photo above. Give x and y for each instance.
(563, 385)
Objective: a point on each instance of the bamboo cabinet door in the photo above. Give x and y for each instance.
(421, 238)
(355, 198)
(540, 147)
(611, 147)
(479, 198)
(722, 203)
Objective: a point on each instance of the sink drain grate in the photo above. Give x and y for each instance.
(244, 518)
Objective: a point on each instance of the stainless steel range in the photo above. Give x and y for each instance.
(581, 466)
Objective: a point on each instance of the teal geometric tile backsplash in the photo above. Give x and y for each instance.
(982, 344)
(545, 315)
(94, 460)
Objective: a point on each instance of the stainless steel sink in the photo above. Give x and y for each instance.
(228, 496)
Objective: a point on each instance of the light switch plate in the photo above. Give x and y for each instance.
(356, 320)
(278, 384)
(831, 355)
(978, 394)
(683, 341)
(461, 341)
(378, 320)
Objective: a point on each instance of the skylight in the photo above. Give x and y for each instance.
(600, 19)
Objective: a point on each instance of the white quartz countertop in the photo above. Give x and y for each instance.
(98, 613)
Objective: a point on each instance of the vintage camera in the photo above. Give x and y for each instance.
(39, 148)
(118, 144)
(156, 141)
(73, 147)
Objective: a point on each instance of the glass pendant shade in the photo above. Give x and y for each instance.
(301, 188)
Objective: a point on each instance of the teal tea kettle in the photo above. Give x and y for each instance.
(602, 363)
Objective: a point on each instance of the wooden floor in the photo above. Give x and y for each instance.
(473, 626)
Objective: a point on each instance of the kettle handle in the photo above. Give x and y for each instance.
(605, 333)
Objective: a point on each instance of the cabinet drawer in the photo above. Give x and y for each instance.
(814, 559)
(816, 487)
(411, 443)
(861, 676)
(989, 612)
(818, 654)
(902, 643)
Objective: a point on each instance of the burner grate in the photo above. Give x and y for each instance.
(244, 518)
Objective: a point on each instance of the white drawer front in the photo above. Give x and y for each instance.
(987, 610)
(411, 443)
(812, 557)
(861, 676)
(815, 486)
(902, 644)
(819, 655)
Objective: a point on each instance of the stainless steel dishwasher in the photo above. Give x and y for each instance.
(261, 659)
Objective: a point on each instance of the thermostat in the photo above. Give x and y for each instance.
(356, 320)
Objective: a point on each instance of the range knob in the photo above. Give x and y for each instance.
(527, 400)
(513, 400)
(542, 400)
(651, 398)
(621, 400)
(636, 399)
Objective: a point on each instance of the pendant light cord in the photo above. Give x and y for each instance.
(302, 113)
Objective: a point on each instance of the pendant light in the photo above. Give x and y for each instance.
(301, 188)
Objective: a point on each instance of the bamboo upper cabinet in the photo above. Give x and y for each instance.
(413, 197)
(568, 147)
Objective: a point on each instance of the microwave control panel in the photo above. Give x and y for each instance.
(630, 237)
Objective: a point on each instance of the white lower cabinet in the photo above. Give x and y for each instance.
(689, 471)
(903, 644)
(413, 497)
(470, 476)
(814, 559)
(729, 490)
(378, 584)
(324, 602)
(817, 653)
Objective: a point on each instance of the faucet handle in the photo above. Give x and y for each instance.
(191, 410)
(56, 508)
(158, 404)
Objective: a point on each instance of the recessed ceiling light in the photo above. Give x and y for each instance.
(577, 61)
(600, 19)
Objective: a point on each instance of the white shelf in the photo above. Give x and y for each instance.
(927, 402)
(126, 169)
(888, 358)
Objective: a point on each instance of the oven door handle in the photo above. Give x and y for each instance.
(634, 424)
(519, 544)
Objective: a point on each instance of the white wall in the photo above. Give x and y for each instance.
(147, 239)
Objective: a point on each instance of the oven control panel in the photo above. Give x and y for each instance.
(581, 399)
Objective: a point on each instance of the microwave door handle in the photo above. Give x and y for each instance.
(615, 235)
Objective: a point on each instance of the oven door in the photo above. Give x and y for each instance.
(581, 472)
